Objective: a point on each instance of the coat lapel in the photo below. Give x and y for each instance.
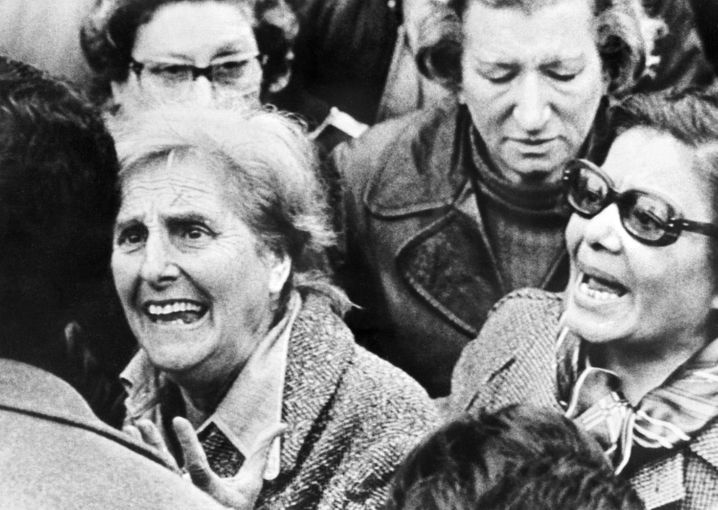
(661, 483)
(448, 266)
(320, 351)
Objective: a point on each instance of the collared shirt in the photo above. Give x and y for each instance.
(252, 404)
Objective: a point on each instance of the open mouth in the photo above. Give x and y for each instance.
(602, 288)
(175, 311)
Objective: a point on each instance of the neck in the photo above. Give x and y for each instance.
(202, 397)
(643, 368)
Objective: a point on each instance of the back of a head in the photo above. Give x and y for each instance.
(58, 172)
(519, 458)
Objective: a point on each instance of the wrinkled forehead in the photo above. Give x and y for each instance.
(561, 32)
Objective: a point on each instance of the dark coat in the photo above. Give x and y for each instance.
(422, 269)
(351, 418)
(55, 454)
(520, 367)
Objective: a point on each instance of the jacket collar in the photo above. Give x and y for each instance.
(447, 262)
(320, 351)
(431, 172)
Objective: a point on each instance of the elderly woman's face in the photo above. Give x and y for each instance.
(203, 53)
(624, 290)
(533, 84)
(197, 289)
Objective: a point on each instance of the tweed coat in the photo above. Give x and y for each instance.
(351, 419)
(55, 454)
(521, 368)
(422, 269)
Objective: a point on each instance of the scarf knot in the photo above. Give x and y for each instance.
(666, 417)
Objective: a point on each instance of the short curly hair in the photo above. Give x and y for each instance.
(619, 39)
(58, 198)
(107, 36)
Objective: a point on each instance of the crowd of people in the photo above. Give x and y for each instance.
(415, 254)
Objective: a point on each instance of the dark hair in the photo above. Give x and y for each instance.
(520, 458)
(688, 115)
(107, 36)
(617, 28)
(58, 177)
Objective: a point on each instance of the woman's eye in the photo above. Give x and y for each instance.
(132, 236)
(195, 232)
(563, 77)
(497, 73)
(501, 76)
(561, 74)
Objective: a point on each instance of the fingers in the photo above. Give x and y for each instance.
(195, 460)
(150, 434)
(133, 432)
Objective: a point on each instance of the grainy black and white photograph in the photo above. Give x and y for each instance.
(359, 254)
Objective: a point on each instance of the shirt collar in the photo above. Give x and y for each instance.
(252, 404)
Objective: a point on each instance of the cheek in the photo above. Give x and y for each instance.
(580, 102)
(123, 274)
(127, 93)
(574, 233)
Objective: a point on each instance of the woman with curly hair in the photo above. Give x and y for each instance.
(220, 53)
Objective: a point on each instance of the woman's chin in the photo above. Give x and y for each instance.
(593, 327)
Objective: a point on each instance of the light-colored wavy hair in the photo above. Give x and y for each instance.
(625, 36)
(273, 167)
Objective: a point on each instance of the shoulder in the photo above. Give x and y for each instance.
(391, 413)
(688, 477)
(517, 337)
(373, 413)
(405, 137)
(701, 469)
(83, 463)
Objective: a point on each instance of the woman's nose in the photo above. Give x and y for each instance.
(203, 92)
(158, 266)
(603, 231)
(531, 108)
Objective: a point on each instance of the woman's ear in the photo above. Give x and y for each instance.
(280, 268)
(714, 302)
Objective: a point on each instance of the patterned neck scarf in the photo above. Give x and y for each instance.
(665, 418)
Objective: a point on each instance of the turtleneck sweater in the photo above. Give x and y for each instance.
(525, 223)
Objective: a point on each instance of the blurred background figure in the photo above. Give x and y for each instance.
(359, 56)
(629, 351)
(55, 285)
(216, 244)
(209, 53)
(518, 458)
(220, 53)
(58, 176)
(43, 33)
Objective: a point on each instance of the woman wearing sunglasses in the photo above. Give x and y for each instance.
(629, 349)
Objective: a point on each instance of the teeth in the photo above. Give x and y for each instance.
(597, 294)
(175, 307)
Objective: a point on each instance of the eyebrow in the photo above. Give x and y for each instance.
(179, 218)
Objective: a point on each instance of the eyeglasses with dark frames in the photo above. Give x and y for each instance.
(170, 75)
(647, 217)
